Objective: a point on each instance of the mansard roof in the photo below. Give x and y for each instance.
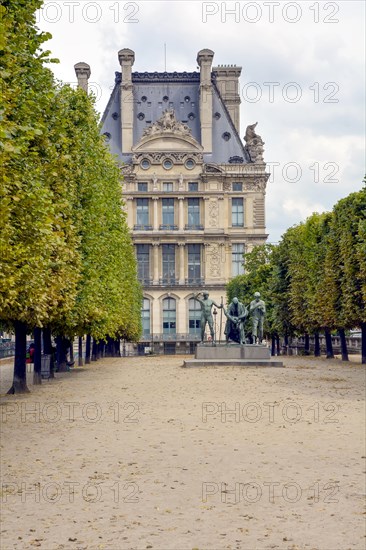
(155, 92)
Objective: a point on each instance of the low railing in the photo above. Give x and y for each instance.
(175, 337)
(168, 281)
(7, 349)
(196, 281)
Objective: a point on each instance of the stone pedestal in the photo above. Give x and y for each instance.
(232, 355)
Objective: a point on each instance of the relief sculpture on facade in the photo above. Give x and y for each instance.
(213, 212)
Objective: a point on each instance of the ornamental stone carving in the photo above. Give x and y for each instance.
(213, 212)
(214, 260)
(254, 144)
(157, 158)
(168, 123)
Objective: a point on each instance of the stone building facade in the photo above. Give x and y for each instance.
(194, 192)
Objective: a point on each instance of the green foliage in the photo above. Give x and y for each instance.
(66, 256)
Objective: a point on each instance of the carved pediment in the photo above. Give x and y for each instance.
(167, 134)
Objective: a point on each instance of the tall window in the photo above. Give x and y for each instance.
(169, 316)
(142, 211)
(143, 261)
(145, 316)
(194, 262)
(237, 252)
(168, 211)
(237, 212)
(193, 212)
(194, 322)
(167, 186)
(168, 251)
(142, 186)
(192, 186)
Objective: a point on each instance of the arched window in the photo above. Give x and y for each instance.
(194, 322)
(169, 316)
(145, 316)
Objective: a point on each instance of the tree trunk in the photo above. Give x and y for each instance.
(278, 349)
(344, 350)
(329, 345)
(71, 363)
(37, 379)
(20, 370)
(94, 350)
(306, 344)
(285, 344)
(47, 349)
(316, 344)
(80, 359)
(61, 354)
(117, 347)
(363, 343)
(273, 345)
(87, 349)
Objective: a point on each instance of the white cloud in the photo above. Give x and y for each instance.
(313, 131)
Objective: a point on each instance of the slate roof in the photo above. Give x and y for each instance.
(155, 92)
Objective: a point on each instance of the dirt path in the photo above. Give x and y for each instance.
(138, 453)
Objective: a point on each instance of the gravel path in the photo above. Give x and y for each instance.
(137, 453)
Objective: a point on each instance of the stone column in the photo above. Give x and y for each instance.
(155, 213)
(204, 60)
(180, 213)
(83, 73)
(156, 263)
(181, 263)
(126, 59)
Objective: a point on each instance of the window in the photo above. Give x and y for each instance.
(168, 252)
(142, 186)
(237, 213)
(189, 164)
(194, 321)
(192, 186)
(145, 164)
(143, 262)
(193, 212)
(142, 211)
(168, 186)
(169, 316)
(168, 212)
(237, 252)
(145, 316)
(194, 263)
(167, 164)
(237, 186)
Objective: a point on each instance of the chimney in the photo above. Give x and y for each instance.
(204, 60)
(82, 71)
(227, 81)
(126, 59)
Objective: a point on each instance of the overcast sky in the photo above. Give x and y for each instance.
(303, 78)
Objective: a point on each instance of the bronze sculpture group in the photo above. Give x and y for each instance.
(236, 315)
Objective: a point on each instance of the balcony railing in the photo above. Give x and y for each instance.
(146, 281)
(193, 227)
(142, 227)
(167, 227)
(168, 281)
(196, 281)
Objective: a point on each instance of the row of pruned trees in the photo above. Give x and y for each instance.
(67, 263)
(314, 280)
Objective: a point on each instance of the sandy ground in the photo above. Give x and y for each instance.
(138, 453)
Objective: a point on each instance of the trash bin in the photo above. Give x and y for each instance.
(46, 366)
